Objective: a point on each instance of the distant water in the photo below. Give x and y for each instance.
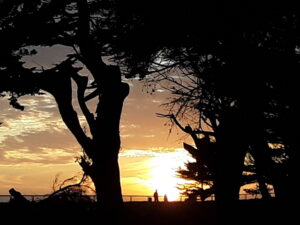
(6, 198)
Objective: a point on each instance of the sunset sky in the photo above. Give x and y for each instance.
(35, 144)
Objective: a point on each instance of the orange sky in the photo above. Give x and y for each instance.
(35, 145)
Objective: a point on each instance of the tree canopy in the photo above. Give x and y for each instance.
(237, 84)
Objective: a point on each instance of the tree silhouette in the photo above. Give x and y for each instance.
(201, 171)
(26, 25)
(242, 75)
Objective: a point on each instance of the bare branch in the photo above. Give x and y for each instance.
(186, 129)
(66, 181)
(61, 189)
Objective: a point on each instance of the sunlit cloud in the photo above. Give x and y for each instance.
(164, 149)
(45, 155)
(28, 123)
(129, 126)
(149, 136)
(40, 114)
(22, 154)
(124, 136)
(136, 153)
(156, 101)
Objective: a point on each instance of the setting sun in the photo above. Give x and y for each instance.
(163, 177)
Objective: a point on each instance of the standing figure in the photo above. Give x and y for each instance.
(155, 195)
(166, 198)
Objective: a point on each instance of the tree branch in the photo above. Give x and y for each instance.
(186, 129)
(88, 49)
(62, 93)
(91, 95)
(81, 87)
(61, 189)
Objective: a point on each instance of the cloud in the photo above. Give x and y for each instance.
(47, 146)
(148, 136)
(128, 125)
(36, 135)
(124, 136)
(156, 101)
(164, 149)
(44, 156)
(136, 153)
(46, 153)
(40, 115)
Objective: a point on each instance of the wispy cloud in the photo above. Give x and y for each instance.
(148, 136)
(136, 153)
(44, 156)
(40, 115)
(124, 136)
(155, 101)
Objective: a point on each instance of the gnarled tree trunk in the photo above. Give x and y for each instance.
(101, 150)
(105, 169)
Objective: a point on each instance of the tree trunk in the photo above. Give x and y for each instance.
(104, 170)
(103, 148)
(262, 167)
(106, 175)
(230, 157)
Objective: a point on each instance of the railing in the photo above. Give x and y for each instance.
(132, 198)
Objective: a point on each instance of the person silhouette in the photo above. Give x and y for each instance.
(166, 198)
(17, 197)
(155, 195)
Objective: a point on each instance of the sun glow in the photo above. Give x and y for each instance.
(163, 177)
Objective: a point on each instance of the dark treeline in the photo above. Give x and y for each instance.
(237, 65)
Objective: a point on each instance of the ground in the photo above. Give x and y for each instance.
(146, 213)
